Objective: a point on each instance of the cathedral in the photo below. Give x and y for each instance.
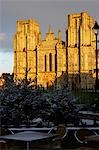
(53, 62)
(42, 60)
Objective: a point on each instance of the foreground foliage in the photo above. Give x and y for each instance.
(20, 104)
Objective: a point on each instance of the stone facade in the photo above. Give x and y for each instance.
(25, 41)
(44, 61)
(81, 50)
(50, 61)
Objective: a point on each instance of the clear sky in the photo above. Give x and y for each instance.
(46, 12)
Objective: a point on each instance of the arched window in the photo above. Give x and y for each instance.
(45, 63)
(50, 62)
(55, 62)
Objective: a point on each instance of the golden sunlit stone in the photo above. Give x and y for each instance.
(2, 82)
(37, 55)
(81, 50)
(50, 61)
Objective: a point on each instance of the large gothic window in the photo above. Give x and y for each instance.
(50, 62)
(55, 62)
(45, 63)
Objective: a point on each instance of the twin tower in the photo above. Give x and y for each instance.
(51, 61)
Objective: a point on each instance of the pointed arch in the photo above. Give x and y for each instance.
(55, 62)
(50, 62)
(45, 62)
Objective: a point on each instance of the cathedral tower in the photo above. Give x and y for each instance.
(25, 41)
(81, 50)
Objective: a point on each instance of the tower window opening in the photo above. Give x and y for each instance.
(45, 63)
(55, 62)
(50, 62)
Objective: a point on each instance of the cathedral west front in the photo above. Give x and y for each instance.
(52, 61)
(42, 60)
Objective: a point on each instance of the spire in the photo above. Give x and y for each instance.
(50, 34)
(49, 29)
(40, 37)
(59, 35)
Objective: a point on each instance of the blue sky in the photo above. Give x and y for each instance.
(46, 12)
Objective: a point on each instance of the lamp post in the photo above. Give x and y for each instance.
(26, 71)
(79, 58)
(67, 58)
(36, 65)
(56, 65)
(96, 29)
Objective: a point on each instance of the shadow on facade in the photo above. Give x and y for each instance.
(84, 81)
